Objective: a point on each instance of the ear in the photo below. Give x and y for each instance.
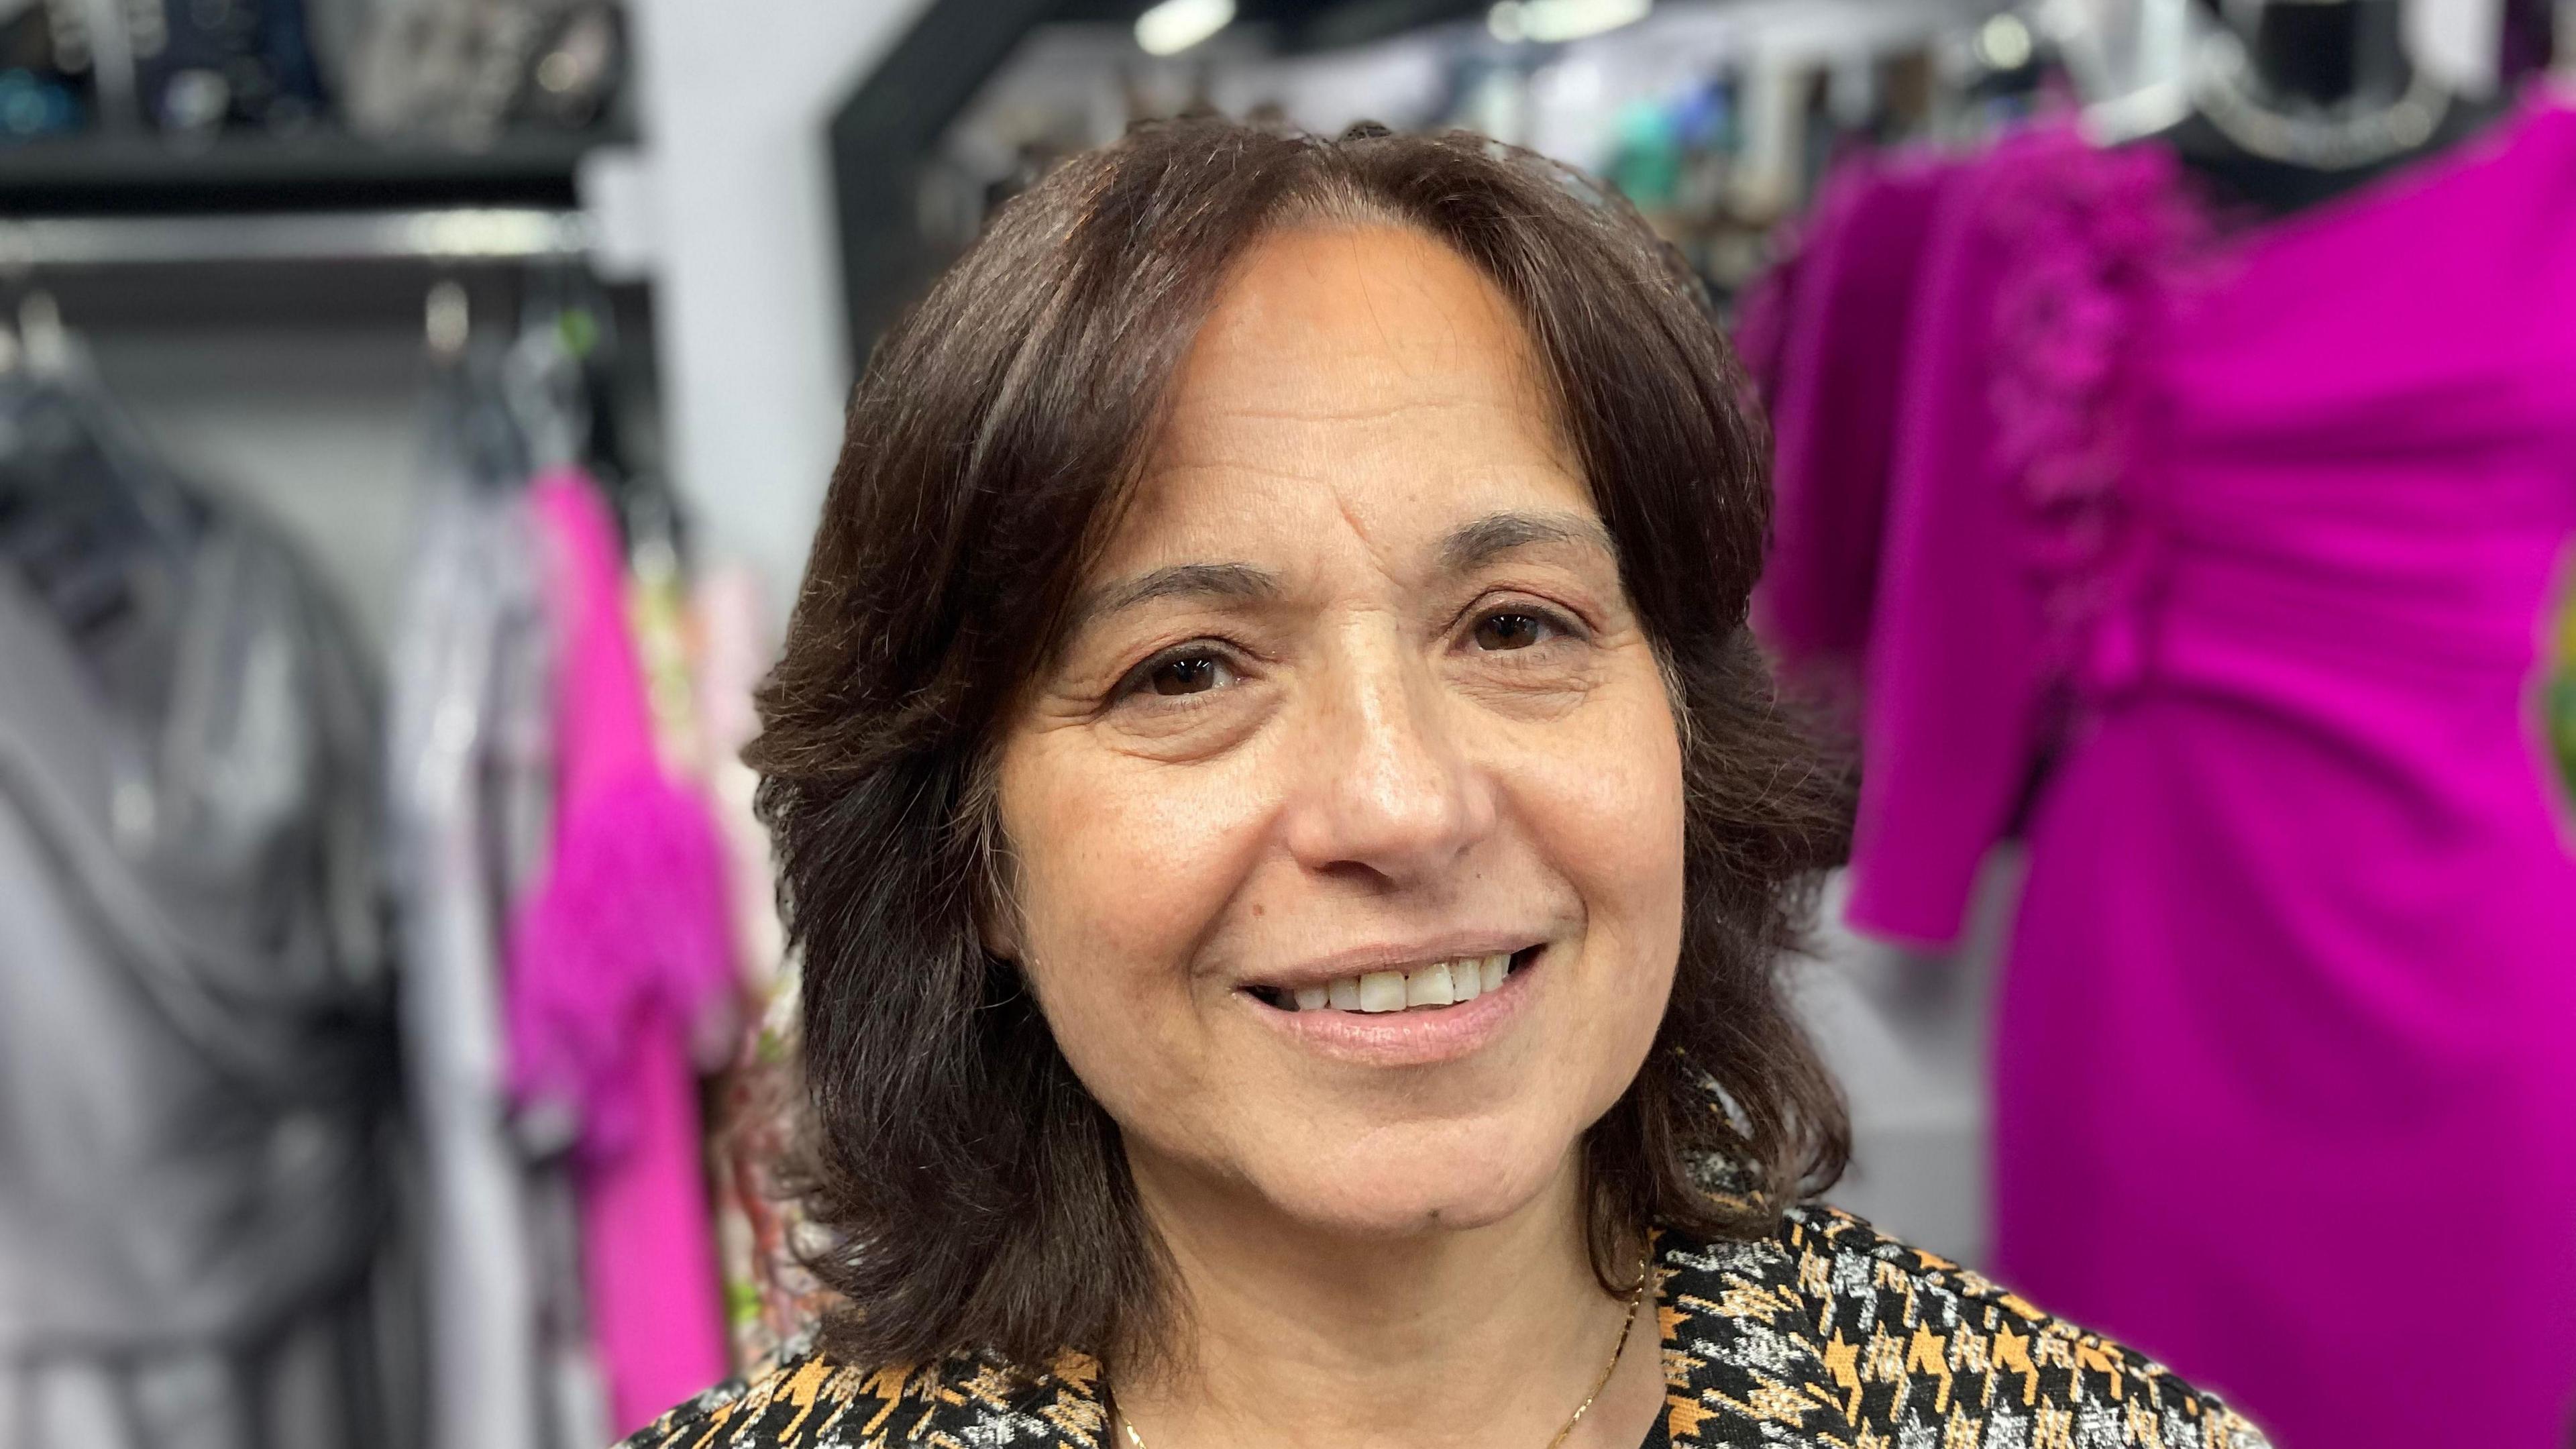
(998, 928)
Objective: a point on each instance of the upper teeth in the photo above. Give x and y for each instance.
(1443, 983)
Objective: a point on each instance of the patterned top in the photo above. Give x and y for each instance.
(1824, 1334)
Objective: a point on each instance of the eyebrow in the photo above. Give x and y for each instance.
(1233, 581)
(1471, 546)
(1468, 547)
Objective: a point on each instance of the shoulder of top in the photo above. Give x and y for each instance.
(805, 1399)
(1828, 1322)
(1824, 1326)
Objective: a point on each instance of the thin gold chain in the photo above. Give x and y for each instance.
(1627, 1326)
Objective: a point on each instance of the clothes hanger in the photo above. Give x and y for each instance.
(642, 496)
(79, 483)
(471, 425)
(542, 376)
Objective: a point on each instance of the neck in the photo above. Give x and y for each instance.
(2326, 52)
(1294, 1336)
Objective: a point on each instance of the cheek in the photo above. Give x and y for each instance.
(1119, 869)
(1607, 807)
(1615, 828)
(1603, 804)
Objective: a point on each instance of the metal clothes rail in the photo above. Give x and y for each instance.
(451, 235)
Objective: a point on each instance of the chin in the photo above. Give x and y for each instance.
(1404, 1181)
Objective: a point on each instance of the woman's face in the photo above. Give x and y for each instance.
(1355, 716)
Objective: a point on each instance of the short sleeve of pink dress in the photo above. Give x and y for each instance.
(2216, 566)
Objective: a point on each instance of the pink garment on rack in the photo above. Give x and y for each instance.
(1825, 356)
(620, 947)
(2213, 566)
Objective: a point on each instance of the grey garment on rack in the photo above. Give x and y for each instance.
(471, 735)
(194, 1012)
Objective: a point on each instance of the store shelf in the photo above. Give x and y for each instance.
(135, 175)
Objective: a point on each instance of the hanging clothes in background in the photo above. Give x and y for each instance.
(770, 1295)
(468, 71)
(2212, 563)
(566, 900)
(2559, 693)
(732, 647)
(621, 950)
(196, 1156)
(763, 1231)
(702, 652)
(2527, 41)
(472, 770)
(1821, 354)
(568, 910)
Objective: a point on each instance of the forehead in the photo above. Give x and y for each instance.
(1364, 373)
(1339, 290)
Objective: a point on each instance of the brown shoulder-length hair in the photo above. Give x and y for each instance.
(978, 1197)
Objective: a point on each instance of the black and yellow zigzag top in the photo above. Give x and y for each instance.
(1824, 1334)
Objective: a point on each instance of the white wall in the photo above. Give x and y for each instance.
(2457, 39)
(737, 94)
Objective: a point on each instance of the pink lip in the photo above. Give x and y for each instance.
(1404, 1038)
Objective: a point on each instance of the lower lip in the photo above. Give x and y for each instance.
(1405, 1038)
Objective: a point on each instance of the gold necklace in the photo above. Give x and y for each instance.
(1627, 1325)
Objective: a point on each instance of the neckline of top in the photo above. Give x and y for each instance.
(2530, 113)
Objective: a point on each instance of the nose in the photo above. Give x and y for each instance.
(1387, 792)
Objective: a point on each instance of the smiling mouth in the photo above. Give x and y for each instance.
(1424, 988)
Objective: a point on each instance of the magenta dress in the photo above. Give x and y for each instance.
(615, 954)
(2213, 562)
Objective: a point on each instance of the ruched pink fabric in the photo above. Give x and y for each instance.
(2213, 563)
(621, 944)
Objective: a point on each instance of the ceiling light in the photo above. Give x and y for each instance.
(2004, 43)
(1176, 25)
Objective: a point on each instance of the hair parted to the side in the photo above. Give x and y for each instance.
(979, 1197)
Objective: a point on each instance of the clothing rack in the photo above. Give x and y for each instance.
(443, 235)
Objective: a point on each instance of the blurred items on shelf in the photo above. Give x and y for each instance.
(457, 72)
(199, 1164)
(1715, 120)
(462, 70)
(2190, 496)
(47, 75)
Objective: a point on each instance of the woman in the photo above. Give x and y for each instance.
(1290, 843)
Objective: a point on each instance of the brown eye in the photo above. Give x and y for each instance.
(1510, 631)
(1195, 674)
(1189, 669)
